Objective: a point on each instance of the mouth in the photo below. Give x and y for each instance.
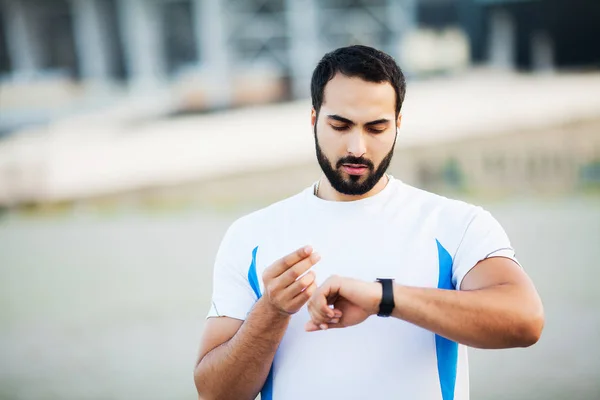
(355, 169)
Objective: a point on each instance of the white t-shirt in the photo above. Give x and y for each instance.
(416, 237)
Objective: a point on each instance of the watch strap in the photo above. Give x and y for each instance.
(386, 307)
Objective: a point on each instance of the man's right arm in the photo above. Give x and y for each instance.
(238, 368)
(235, 356)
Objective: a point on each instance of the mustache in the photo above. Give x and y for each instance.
(355, 160)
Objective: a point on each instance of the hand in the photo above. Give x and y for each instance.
(285, 291)
(353, 301)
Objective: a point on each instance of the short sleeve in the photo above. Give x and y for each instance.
(232, 294)
(484, 237)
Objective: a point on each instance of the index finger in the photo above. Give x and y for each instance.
(317, 305)
(285, 263)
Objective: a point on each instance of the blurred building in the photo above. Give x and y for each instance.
(59, 57)
(145, 41)
(217, 53)
(522, 34)
(534, 34)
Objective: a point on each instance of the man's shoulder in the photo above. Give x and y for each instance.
(435, 204)
(450, 219)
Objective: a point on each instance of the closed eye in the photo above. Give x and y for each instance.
(340, 128)
(369, 129)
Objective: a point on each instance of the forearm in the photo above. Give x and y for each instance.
(238, 368)
(495, 317)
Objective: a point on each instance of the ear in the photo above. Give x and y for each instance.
(398, 122)
(313, 117)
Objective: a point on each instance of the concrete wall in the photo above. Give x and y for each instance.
(559, 159)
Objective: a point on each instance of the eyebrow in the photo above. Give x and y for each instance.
(349, 122)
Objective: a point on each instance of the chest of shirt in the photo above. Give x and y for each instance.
(361, 247)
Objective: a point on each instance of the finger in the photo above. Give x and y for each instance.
(301, 299)
(321, 303)
(285, 263)
(300, 285)
(315, 306)
(326, 311)
(331, 290)
(311, 327)
(292, 274)
(337, 314)
(336, 325)
(318, 319)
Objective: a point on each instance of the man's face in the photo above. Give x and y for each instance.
(355, 133)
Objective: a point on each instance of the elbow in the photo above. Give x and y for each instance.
(202, 392)
(204, 389)
(530, 329)
(200, 386)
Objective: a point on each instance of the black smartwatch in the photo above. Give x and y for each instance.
(387, 298)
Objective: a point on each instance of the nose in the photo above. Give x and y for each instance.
(356, 144)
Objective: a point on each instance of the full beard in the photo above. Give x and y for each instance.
(353, 185)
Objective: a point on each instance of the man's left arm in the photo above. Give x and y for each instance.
(497, 306)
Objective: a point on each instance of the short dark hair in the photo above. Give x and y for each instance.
(364, 62)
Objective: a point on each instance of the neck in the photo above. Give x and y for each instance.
(327, 192)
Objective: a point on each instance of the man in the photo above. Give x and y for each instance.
(351, 250)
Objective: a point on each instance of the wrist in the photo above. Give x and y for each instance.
(387, 301)
(272, 311)
(375, 295)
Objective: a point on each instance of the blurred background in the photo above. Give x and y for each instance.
(133, 132)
